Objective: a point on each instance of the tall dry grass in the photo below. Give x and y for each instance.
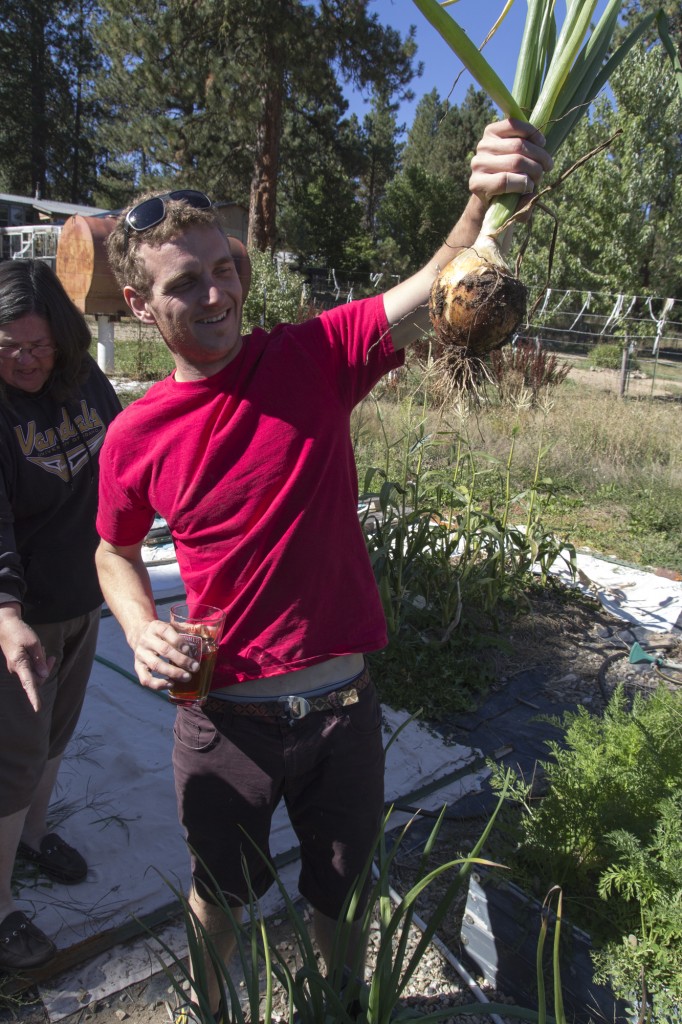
(615, 464)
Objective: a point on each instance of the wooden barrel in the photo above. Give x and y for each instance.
(83, 268)
(240, 255)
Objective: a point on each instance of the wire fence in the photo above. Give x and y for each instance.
(579, 320)
(569, 321)
(562, 318)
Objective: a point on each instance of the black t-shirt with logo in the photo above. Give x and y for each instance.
(49, 453)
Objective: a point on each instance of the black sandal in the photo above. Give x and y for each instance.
(22, 944)
(56, 859)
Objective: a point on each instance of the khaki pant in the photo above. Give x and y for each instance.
(28, 738)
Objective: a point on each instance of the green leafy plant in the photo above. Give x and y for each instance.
(276, 294)
(649, 876)
(140, 353)
(608, 831)
(609, 357)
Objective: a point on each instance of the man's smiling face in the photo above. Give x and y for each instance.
(195, 300)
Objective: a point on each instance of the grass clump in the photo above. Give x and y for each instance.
(525, 373)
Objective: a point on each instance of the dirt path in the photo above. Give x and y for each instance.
(639, 385)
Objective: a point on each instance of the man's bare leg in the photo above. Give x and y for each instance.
(219, 927)
(324, 930)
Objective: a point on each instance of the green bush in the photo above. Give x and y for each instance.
(649, 875)
(609, 357)
(608, 831)
(276, 294)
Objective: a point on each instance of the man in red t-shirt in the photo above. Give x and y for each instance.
(245, 450)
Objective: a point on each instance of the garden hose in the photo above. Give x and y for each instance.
(636, 655)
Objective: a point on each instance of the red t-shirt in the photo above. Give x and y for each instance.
(253, 471)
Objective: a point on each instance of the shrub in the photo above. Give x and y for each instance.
(608, 831)
(525, 367)
(609, 357)
(276, 294)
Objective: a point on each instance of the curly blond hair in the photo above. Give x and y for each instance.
(124, 252)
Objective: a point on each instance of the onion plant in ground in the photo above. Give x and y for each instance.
(347, 994)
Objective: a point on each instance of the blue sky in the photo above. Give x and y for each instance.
(441, 66)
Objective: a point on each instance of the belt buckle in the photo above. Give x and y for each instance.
(296, 706)
(350, 696)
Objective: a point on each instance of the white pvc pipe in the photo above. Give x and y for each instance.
(105, 343)
(446, 953)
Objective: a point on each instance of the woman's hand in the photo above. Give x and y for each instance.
(24, 652)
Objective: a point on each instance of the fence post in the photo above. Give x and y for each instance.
(105, 343)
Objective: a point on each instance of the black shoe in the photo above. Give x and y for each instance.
(22, 945)
(56, 859)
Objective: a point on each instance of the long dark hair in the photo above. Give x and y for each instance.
(31, 286)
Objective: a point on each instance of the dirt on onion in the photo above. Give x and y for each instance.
(476, 306)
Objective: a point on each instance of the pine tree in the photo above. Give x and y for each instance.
(206, 90)
(427, 196)
(48, 60)
(380, 156)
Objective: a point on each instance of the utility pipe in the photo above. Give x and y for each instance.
(446, 953)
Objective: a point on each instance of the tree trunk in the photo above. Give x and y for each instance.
(263, 200)
(38, 87)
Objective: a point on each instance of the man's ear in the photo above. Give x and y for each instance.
(138, 305)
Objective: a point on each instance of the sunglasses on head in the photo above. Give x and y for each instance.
(151, 212)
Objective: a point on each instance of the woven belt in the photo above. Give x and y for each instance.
(292, 706)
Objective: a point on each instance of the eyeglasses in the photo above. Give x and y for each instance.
(151, 212)
(36, 351)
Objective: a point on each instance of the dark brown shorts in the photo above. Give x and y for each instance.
(232, 770)
(28, 738)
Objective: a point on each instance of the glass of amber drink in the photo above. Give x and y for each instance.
(200, 627)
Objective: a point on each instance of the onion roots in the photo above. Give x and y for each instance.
(476, 305)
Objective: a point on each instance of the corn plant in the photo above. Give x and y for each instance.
(441, 538)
